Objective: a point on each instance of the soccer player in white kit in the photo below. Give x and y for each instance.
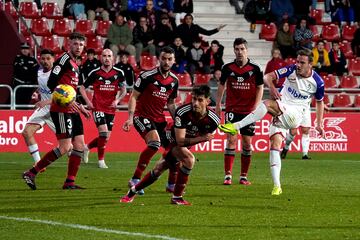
(41, 115)
(287, 107)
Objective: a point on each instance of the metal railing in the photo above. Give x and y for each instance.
(14, 105)
(11, 104)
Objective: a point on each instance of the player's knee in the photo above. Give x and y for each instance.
(246, 152)
(186, 170)
(65, 148)
(154, 145)
(189, 161)
(26, 133)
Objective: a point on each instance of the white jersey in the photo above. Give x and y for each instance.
(298, 90)
(44, 91)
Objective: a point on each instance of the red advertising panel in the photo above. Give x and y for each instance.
(342, 133)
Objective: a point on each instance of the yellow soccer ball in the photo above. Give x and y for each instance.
(63, 95)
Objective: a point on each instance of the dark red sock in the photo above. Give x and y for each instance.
(47, 159)
(101, 147)
(93, 143)
(173, 172)
(181, 181)
(245, 164)
(228, 162)
(149, 179)
(73, 164)
(144, 160)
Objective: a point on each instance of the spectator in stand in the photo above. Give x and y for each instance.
(116, 6)
(355, 43)
(188, 31)
(342, 12)
(134, 8)
(193, 55)
(275, 63)
(337, 60)
(165, 6)
(284, 41)
(302, 10)
(75, 8)
(143, 38)
(151, 14)
(303, 35)
(163, 33)
(25, 69)
(213, 84)
(236, 5)
(96, 8)
(257, 10)
(180, 56)
(124, 65)
(356, 6)
(212, 59)
(181, 8)
(90, 64)
(120, 36)
(282, 11)
(321, 61)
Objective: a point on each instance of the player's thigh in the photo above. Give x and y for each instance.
(78, 142)
(276, 141)
(38, 117)
(78, 127)
(276, 133)
(246, 142)
(184, 155)
(306, 120)
(30, 129)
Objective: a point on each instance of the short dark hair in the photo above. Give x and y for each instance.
(123, 53)
(168, 49)
(90, 51)
(215, 42)
(306, 52)
(47, 51)
(77, 36)
(239, 41)
(201, 90)
(189, 14)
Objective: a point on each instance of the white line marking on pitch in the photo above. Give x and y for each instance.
(90, 228)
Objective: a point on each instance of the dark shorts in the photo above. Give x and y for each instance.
(232, 117)
(101, 118)
(145, 125)
(67, 125)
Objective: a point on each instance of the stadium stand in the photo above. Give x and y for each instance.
(29, 10)
(268, 32)
(357, 101)
(40, 27)
(184, 79)
(200, 78)
(348, 82)
(330, 33)
(85, 27)
(51, 10)
(51, 42)
(330, 81)
(62, 27)
(347, 32)
(102, 28)
(354, 66)
(342, 100)
(148, 62)
(95, 43)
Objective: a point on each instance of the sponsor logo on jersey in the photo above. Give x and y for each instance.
(282, 71)
(162, 89)
(240, 79)
(295, 94)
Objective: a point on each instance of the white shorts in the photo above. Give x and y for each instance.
(40, 117)
(292, 117)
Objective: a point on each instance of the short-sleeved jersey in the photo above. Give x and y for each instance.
(299, 90)
(64, 71)
(241, 84)
(185, 118)
(44, 91)
(155, 93)
(105, 86)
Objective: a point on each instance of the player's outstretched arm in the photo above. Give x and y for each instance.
(183, 141)
(131, 109)
(269, 81)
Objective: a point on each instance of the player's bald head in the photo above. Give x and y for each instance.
(107, 51)
(107, 57)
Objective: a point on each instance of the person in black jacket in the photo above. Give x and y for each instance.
(212, 58)
(96, 8)
(188, 31)
(126, 67)
(143, 38)
(90, 64)
(337, 60)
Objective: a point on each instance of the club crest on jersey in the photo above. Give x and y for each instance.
(162, 89)
(282, 71)
(56, 70)
(107, 82)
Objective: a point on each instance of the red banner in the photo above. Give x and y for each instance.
(342, 132)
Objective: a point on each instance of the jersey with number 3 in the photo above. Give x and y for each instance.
(156, 91)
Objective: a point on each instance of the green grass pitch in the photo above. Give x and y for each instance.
(320, 200)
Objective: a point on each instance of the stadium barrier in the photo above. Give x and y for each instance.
(342, 131)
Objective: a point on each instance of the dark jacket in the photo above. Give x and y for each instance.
(189, 33)
(218, 61)
(142, 37)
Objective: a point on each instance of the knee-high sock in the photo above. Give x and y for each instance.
(256, 115)
(73, 164)
(181, 181)
(93, 143)
(275, 166)
(245, 163)
(305, 143)
(289, 139)
(102, 140)
(147, 180)
(34, 151)
(46, 160)
(145, 158)
(229, 156)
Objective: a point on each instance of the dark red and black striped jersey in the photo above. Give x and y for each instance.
(155, 93)
(241, 84)
(186, 118)
(105, 86)
(64, 71)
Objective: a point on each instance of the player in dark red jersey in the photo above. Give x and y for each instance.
(67, 120)
(243, 81)
(108, 84)
(153, 90)
(194, 123)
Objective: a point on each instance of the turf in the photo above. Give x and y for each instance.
(320, 200)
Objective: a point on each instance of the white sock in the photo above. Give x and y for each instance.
(34, 151)
(256, 115)
(289, 139)
(305, 143)
(275, 166)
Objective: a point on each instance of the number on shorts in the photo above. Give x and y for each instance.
(99, 114)
(229, 116)
(69, 123)
(146, 121)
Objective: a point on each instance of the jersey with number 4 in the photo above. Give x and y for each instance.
(156, 91)
(299, 90)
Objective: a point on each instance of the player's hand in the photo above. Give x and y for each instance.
(127, 124)
(114, 104)
(85, 112)
(274, 93)
(35, 96)
(90, 106)
(321, 131)
(208, 136)
(40, 104)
